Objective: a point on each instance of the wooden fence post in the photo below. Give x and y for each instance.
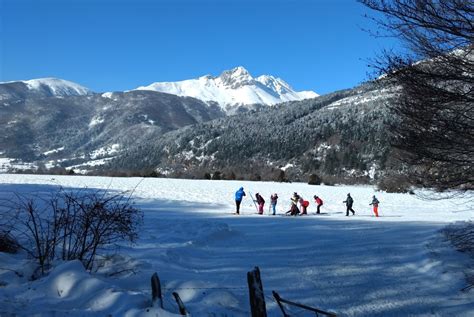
(257, 299)
(278, 300)
(182, 309)
(306, 307)
(156, 290)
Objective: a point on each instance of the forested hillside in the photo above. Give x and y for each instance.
(342, 135)
(67, 130)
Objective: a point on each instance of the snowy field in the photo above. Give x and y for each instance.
(395, 265)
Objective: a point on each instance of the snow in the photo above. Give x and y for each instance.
(108, 95)
(57, 87)
(7, 164)
(372, 170)
(363, 98)
(95, 121)
(80, 168)
(145, 118)
(287, 166)
(395, 265)
(54, 151)
(233, 87)
(105, 151)
(187, 154)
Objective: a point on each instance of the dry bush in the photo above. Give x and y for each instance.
(314, 180)
(461, 236)
(71, 225)
(7, 243)
(394, 184)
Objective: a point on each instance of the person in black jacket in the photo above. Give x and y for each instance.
(349, 202)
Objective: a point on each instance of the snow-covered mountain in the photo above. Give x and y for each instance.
(58, 87)
(144, 130)
(44, 87)
(233, 88)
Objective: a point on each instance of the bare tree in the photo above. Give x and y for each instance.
(434, 111)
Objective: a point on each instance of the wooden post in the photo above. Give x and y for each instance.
(257, 299)
(309, 308)
(182, 309)
(156, 291)
(278, 300)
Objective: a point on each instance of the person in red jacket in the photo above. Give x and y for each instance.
(318, 202)
(304, 205)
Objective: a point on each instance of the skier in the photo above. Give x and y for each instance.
(304, 205)
(375, 202)
(318, 202)
(294, 207)
(273, 202)
(260, 203)
(238, 199)
(349, 201)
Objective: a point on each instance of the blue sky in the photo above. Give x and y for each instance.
(109, 45)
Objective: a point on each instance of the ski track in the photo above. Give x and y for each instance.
(395, 265)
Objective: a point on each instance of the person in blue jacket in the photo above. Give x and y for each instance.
(238, 199)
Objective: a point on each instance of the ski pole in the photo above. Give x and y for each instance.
(254, 203)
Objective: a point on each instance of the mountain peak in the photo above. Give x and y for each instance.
(233, 88)
(235, 77)
(238, 71)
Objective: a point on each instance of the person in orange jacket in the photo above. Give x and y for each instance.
(318, 202)
(375, 203)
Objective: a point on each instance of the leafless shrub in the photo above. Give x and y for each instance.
(70, 225)
(7, 243)
(394, 184)
(461, 236)
(314, 180)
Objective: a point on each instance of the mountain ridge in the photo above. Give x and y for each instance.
(341, 134)
(48, 87)
(233, 88)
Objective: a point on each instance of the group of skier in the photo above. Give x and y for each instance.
(296, 199)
